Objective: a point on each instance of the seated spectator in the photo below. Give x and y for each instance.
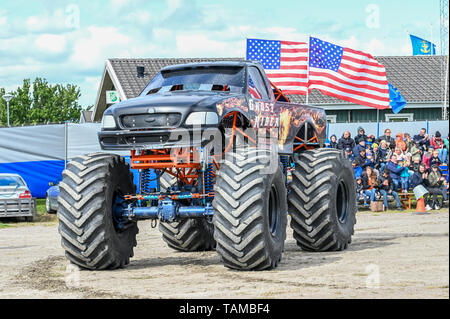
(404, 176)
(427, 156)
(359, 189)
(387, 188)
(346, 141)
(435, 159)
(333, 141)
(423, 139)
(370, 183)
(416, 153)
(370, 141)
(395, 169)
(370, 161)
(357, 169)
(437, 186)
(360, 136)
(390, 141)
(399, 143)
(438, 144)
(349, 154)
(408, 141)
(420, 178)
(361, 146)
(382, 155)
(374, 149)
(361, 158)
(400, 154)
(414, 167)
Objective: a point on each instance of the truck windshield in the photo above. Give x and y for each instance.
(11, 181)
(217, 78)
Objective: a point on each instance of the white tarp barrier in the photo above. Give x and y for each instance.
(32, 143)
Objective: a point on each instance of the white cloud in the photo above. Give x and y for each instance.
(139, 17)
(173, 4)
(93, 46)
(48, 22)
(3, 21)
(199, 45)
(51, 43)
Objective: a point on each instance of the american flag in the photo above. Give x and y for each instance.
(252, 89)
(285, 63)
(347, 74)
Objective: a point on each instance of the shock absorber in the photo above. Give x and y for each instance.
(145, 181)
(209, 178)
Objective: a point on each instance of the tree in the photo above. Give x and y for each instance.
(41, 103)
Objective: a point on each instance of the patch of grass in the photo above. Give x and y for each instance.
(2, 225)
(42, 215)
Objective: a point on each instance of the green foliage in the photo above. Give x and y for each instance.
(40, 102)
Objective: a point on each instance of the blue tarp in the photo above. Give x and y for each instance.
(36, 174)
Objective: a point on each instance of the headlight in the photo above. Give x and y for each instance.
(108, 121)
(202, 118)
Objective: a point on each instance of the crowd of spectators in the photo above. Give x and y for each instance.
(386, 165)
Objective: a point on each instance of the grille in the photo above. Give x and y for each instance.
(138, 121)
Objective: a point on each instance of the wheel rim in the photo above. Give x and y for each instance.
(342, 202)
(274, 210)
(47, 204)
(118, 206)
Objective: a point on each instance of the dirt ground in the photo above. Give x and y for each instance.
(394, 255)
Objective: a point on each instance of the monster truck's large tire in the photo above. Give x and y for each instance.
(188, 234)
(322, 200)
(90, 233)
(250, 211)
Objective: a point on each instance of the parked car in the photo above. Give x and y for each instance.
(15, 197)
(51, 198)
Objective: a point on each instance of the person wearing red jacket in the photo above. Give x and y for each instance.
(438, 144)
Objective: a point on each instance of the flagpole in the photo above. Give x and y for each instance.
(307, 73)
(444, 116)
(378, 123)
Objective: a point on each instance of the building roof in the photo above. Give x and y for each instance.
(418, 78)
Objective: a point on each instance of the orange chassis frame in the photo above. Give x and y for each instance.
(181, 163)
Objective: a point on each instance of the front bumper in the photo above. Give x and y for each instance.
(155, 138)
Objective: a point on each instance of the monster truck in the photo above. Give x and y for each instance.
(223, 158)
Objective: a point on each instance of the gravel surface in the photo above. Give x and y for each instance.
(393, 255)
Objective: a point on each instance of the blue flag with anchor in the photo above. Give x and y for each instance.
(421, 46)
(396, 100)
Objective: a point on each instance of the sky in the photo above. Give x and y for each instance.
(69, 41)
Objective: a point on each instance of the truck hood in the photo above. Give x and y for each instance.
(166, 102)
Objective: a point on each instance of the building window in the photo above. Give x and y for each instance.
(404, 117)
(331, 118)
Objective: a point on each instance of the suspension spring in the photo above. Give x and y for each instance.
(145, 181)
(209, 179)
